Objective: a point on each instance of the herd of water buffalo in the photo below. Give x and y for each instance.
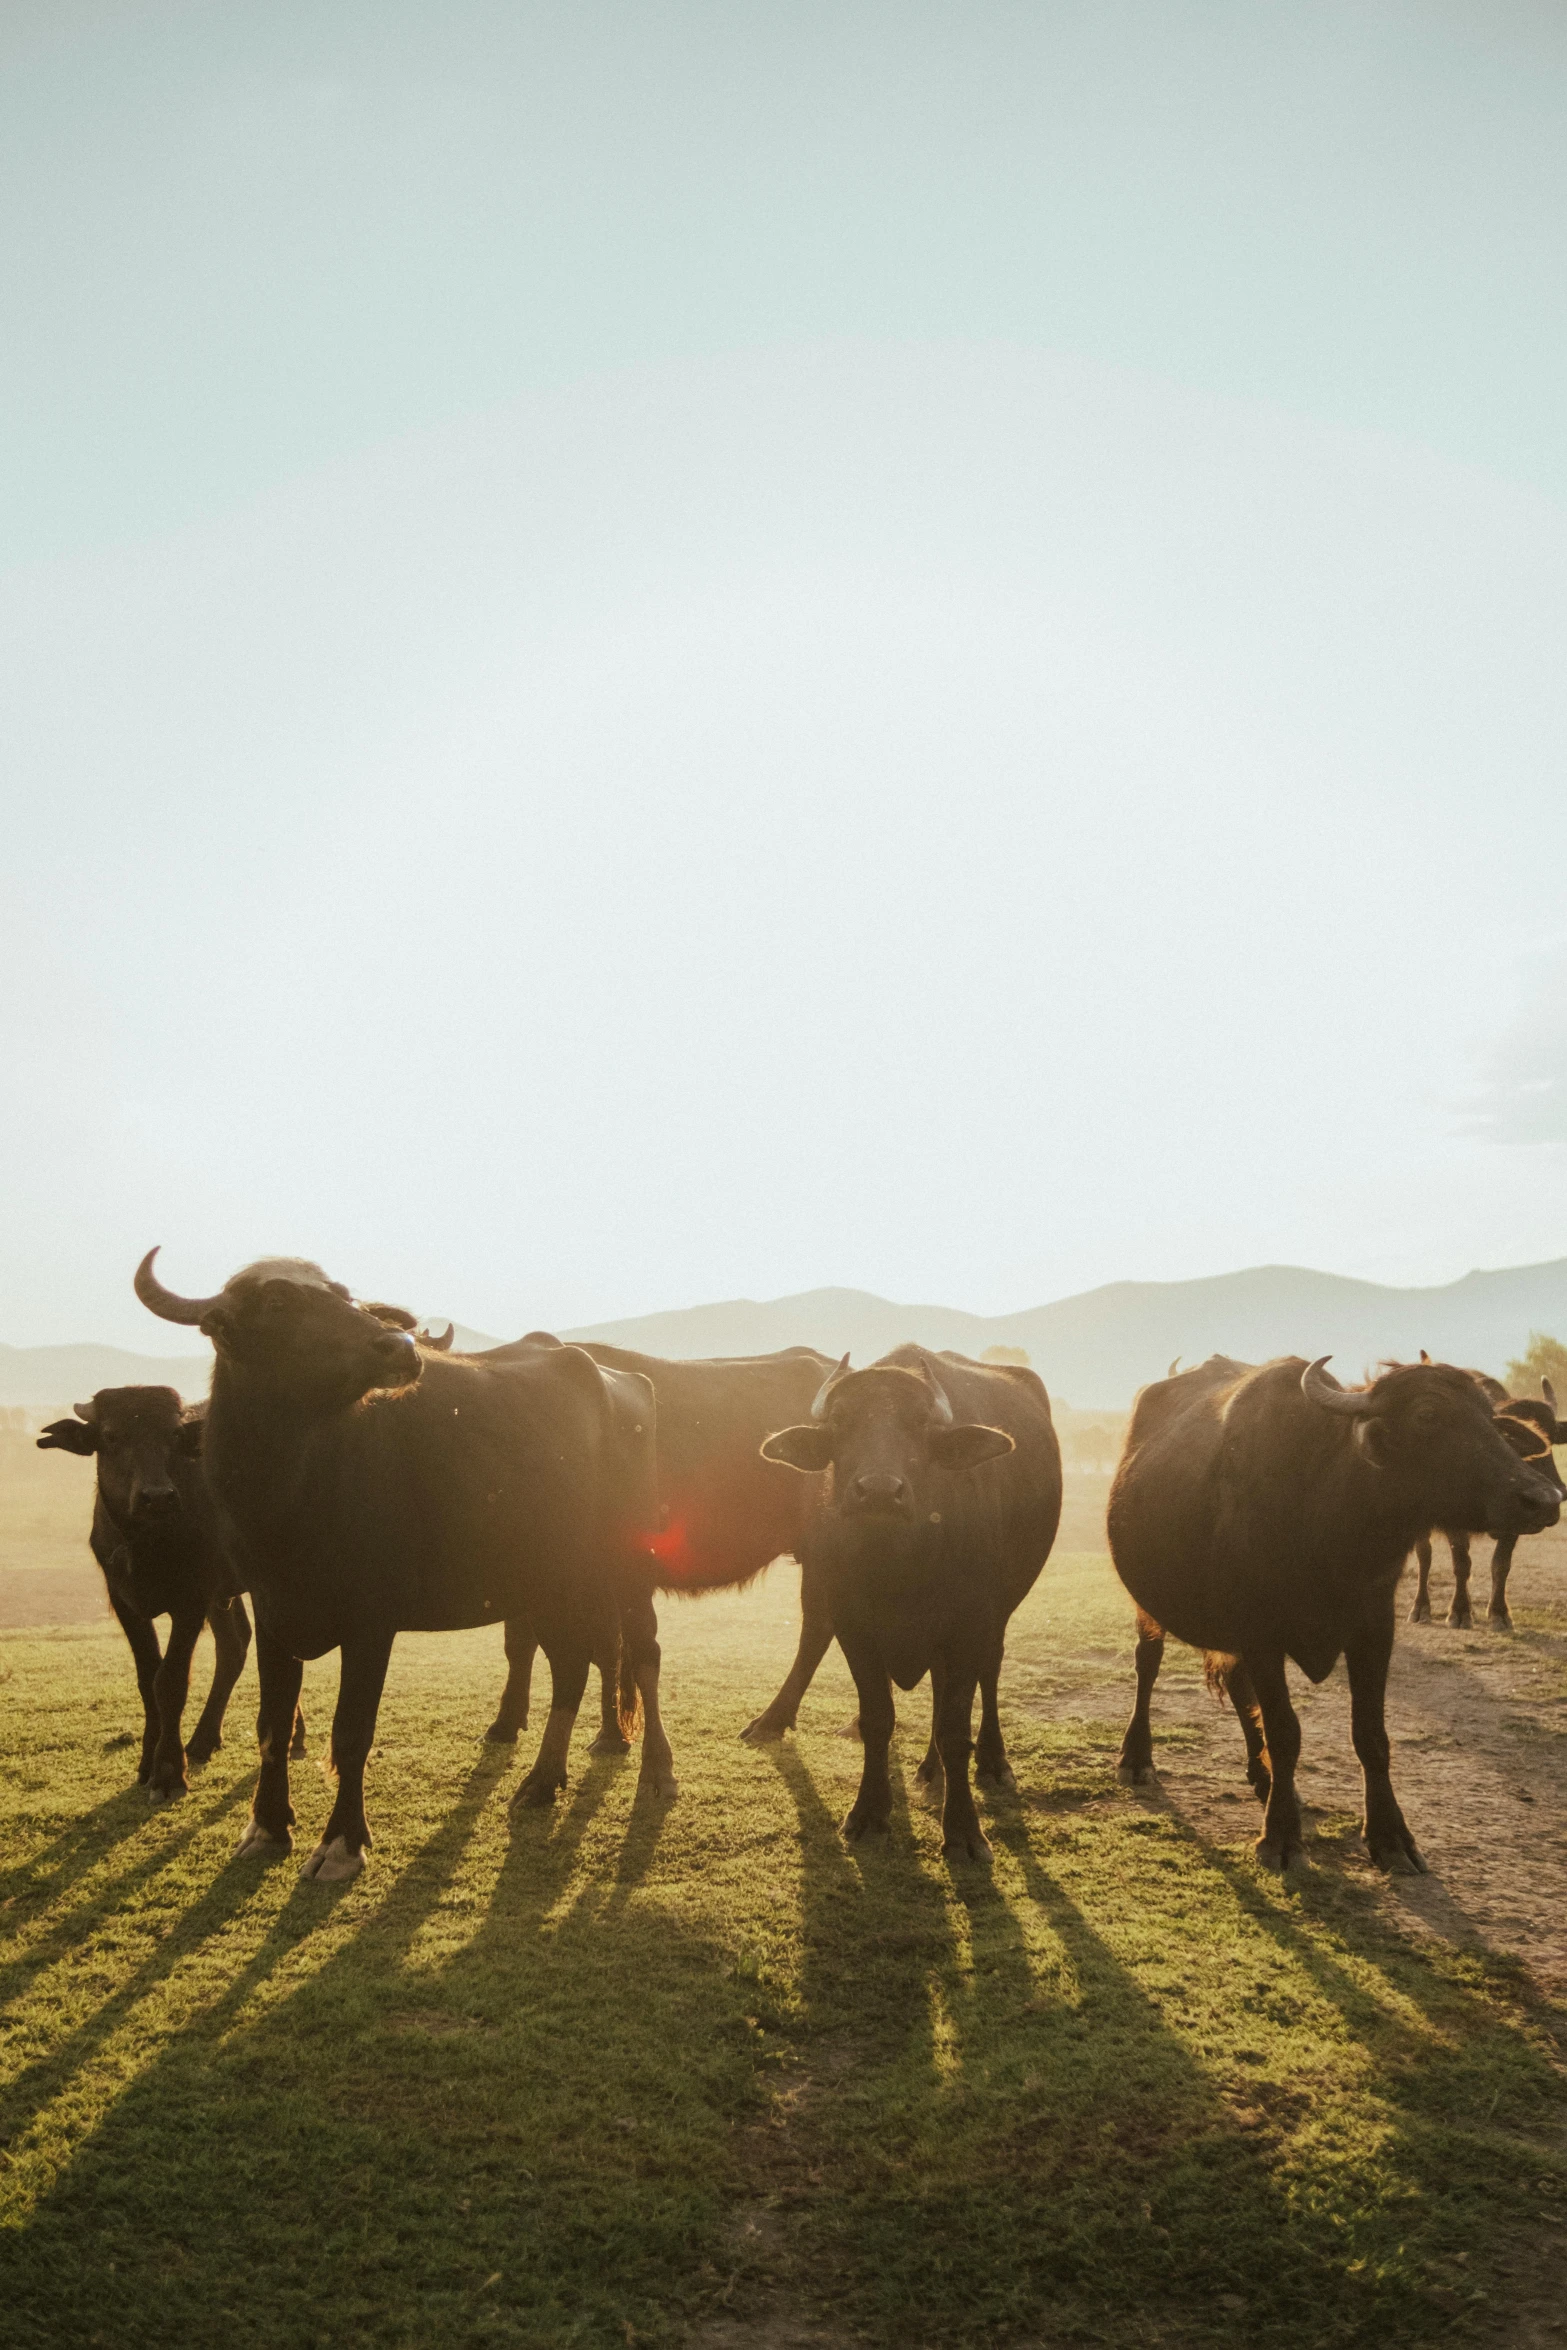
(358, 1479)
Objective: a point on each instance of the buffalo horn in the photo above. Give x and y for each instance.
(819, 1407)
(1174, 1367)
(89, 1412)
(1318, 1388)
(1549, 1393)
(441, 1345)
(164, 1302)
(938, 1393)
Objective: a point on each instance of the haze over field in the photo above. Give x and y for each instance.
(723, 652)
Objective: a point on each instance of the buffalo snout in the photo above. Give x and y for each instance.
(1532, 1505)
(397, 1358)
(877, 1493)
(154, 1498)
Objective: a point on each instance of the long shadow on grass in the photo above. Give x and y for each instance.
(568, 2073)
(63, 1935)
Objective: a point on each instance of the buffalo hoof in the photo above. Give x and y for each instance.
(1002, 1782)
(1278, 1857)
(333, 1863)
(1420, 1613)
(537, 1792)
(1136, 1774)
(967, 1844)
(165, 1788)
(1499, 1620)
(865, 1823)
(930, 1791)
(1396, 1853)
(610, 1742)
(660, 1784)
(499, 1735)
(1460, 1623)
(202, 1750)
(258, 1843)
(764, 1731)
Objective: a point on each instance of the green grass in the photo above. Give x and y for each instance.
(629, 2076)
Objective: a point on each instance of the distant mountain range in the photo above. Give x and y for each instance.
(1097, 1349)
(1094, 1350)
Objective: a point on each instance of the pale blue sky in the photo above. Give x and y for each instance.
(661, 652)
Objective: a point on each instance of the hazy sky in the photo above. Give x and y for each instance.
(650, 653)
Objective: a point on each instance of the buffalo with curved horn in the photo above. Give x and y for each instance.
(1265, 1515)
(368, 1487)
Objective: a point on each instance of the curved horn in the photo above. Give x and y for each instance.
(1549, 1393)
(86, 1411)
(942, 1400)
(819, 1406)
(1318, 1388)
(441, 1345)
(164, 1302)
(1424, 1357)
(1174, 1367)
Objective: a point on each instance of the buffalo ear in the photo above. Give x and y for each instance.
(807, 1448)
(68, 1436)
(1371, 1442)
(965, 1446)
(1527, 1439)
(189, 1437)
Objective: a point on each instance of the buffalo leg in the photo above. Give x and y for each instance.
(929, 1783)
(962, 1837)
(619, 1686)
(231, 1645)
(296, 1744)
(1498, 1615)
(170, 1690)
(511, 1714)
(346, 1836)
(815, 1640)
(991, 1767)
(1461, 1614)
(271, 1828)
(1241, 1694)
(568, 1679)
(1387, 1837)
(1280, 1842)
(1136, 1761)
(1420, 1613)
(871, 1811)
(146, 1656)
(639, 1629)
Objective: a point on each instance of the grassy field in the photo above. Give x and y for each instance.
(700, 2075)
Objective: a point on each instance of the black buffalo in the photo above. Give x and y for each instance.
(724, 1512)
(367, 1488)
(1539, 1418)
(155, 1536)
(1268, 1517)
(944, 1501)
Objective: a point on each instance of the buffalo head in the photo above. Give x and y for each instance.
(1432, 1431)
(283, 1322)
(136, 1435)
(882, 1432)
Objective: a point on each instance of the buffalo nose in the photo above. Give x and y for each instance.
(878, 1489)
(154, 1500)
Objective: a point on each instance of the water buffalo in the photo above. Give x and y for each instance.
(1539, 1417)
(367, 1487)
(944, 1501)
(155, 1536)
(1268, 1517)
(725, 1513)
